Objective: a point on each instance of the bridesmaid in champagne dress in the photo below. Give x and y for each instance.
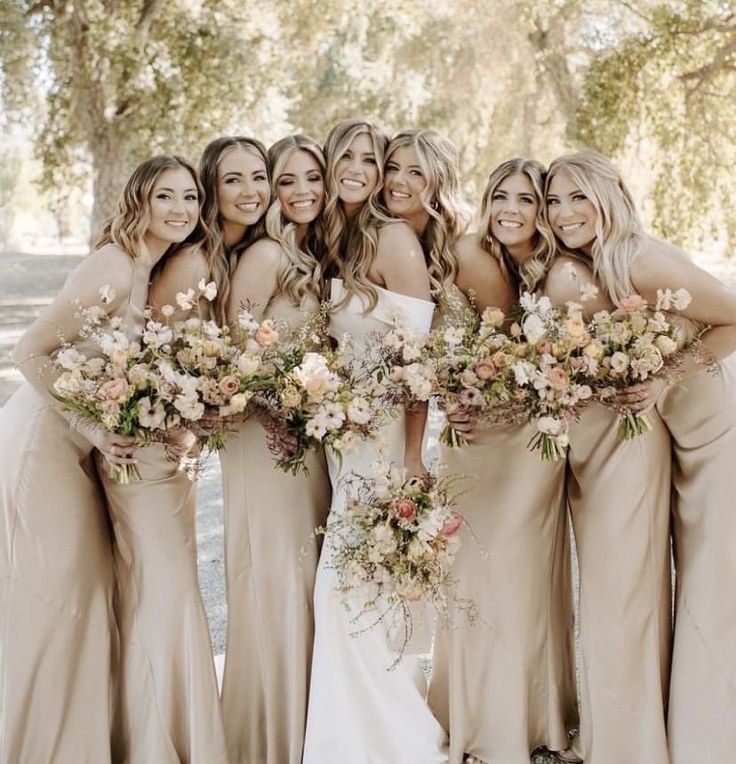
(700, 414)
(505, 684)
(57, 628)
(270, 516)
(168, 706)
(358, 711)
(619, 490)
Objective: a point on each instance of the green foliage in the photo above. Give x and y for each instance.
(668, 93)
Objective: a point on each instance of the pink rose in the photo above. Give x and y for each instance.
(633, 303)
(405, 509)
(452, 524)
(113, 390)
(229, 385)
(266, 335)
(557, 378)
(485, 369)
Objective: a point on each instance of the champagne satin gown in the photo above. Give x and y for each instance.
(619, 500)
(270, 561)
(701, 417)
(359, 711)
(167, 705)
(505, 684)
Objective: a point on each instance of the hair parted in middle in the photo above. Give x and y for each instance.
(351, 244)
(210, 237)
(620, 234)
(441, 198)
(532, 271)
(301, 272)
(128, 225)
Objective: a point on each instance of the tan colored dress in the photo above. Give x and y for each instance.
(56, 582)
(271, 561)
(167, 708)
(619, 497)
(701, 417)
(505, 684)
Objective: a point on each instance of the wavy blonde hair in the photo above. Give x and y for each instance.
(351, 243)
(619, 233)
(441, 199)
(222, 259)
(300, 272)
(128, 225)
(531, 272)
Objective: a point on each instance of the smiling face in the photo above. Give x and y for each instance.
(356, 172)
(300, 187)
(243, 192)
(514, 209)
(403, 185)
(174, 209)
(571, 214)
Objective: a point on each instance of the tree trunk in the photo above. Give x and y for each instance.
(109, 170)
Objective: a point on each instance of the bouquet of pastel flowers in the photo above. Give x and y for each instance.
(315, 398)
(632, 344)
(395, 544)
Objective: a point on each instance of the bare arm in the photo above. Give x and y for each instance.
(253, 282)
(401, 266)
(480, 275)
(181, 272)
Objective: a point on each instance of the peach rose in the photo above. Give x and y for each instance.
(633, 303)
(557, 378)
(266, 335)
(113, 390)
(229, 385)
(485, 369)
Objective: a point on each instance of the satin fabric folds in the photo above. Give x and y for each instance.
(271, 557)
(701, 417)
(56, 584)
(505, 684)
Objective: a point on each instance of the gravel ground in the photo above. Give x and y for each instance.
(27, 283)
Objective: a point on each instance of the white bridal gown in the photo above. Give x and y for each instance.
(359, 711)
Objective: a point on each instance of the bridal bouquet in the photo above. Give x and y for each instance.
(632, 344)
(125, 386)
(395, 544)
(315, 398)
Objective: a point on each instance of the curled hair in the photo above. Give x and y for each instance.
(299, 272)
(222, 258)
(619, 233)
(351, 243)
(531, 272)
(442, 201)
(128, 225)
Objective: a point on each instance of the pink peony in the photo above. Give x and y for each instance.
(405, 509)
(452, 524)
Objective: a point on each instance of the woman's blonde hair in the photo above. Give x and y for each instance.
(441, 199)
(351, 243)
(300, 272)
(128, 225)
(619, 233)
(531, 272)
(222, 259)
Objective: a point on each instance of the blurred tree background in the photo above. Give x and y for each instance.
(96, 85)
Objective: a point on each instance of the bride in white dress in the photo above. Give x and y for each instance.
(359, 711)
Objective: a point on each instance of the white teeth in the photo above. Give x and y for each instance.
(400, 195)
(303, 203)
(248, 206)
(571, 226)
(177, 223)
(352, 183)
(509, 224)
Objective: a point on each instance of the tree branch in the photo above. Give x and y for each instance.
(719, 63)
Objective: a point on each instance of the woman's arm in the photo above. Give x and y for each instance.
(253, 282)
(479, 275)
(401, 266)
(181, 272)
